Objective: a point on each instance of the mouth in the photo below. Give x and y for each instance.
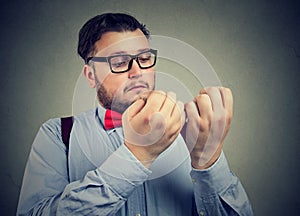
(137, 87)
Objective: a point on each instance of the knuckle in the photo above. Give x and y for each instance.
(211, 89)
(159, 93)
(171, 95)
(208, 88)
(204, 97)
(188, 106)
(180, 105)
(156, 97)
(227, 91)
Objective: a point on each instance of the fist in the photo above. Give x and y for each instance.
(209, 117)
(151, 124)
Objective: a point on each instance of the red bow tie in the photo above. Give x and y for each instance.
(112, 119)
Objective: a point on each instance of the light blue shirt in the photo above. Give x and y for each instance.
(98, 175)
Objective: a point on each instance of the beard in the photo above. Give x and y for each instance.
(116, 103)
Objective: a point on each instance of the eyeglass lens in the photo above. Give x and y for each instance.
(122, 63)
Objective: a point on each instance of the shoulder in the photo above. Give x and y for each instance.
(48, 137)
(86, 116)
(51, 129)
(53, 126)
(87, 120)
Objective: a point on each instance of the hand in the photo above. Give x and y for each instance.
(152, 124)
(209, 117)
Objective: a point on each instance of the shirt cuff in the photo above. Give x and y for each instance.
(213, 180)
(123, 172)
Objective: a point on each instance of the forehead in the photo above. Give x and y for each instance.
(121, 42)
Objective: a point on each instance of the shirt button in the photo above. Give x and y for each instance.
(193, 180)
(201, 213)
(138, 214)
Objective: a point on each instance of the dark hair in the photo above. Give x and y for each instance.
(94, 28)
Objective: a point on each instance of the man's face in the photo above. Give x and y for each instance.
(117, 91)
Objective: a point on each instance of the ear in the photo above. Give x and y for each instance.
(88, 73)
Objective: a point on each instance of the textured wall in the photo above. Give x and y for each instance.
(254, 46)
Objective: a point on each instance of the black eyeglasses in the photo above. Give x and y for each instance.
(123, 63)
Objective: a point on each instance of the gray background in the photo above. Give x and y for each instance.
(254, 47)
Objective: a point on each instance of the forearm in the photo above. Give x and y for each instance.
(91, 196)
(219, 192)
(105, 190)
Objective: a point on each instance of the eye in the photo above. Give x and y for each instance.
(119, 64)
(145, 57)
(119, 61)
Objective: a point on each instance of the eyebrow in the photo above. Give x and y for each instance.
(126, 53)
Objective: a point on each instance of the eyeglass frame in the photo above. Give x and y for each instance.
(133, 57)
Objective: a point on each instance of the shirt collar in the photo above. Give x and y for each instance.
(101, 114)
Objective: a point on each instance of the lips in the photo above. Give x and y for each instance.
(136, 87)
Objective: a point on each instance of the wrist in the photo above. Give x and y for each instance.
(142, 154)
(199, 161)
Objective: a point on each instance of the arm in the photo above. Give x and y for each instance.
(217, 190)
(104, 190)
(46, 189)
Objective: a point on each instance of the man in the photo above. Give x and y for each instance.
(143, 166)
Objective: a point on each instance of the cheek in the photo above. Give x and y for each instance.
(114, 83)
(102, 76)
(150, 77)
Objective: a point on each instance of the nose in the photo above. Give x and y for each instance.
(135, 70)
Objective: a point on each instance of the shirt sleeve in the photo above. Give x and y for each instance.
(219, 192)
(105, 190)
(46, 189)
